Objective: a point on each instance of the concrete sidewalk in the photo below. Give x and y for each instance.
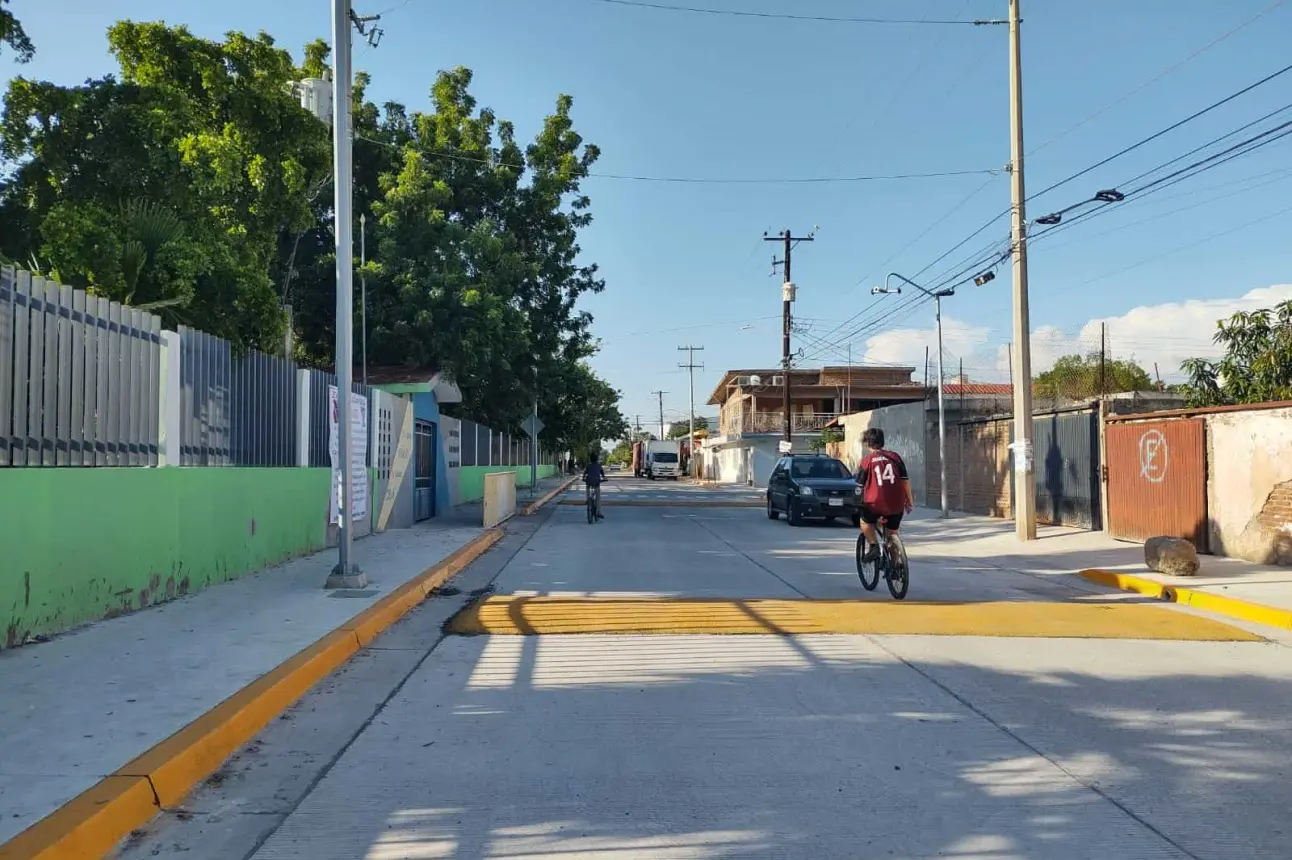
(77, 708)
(1071, 551)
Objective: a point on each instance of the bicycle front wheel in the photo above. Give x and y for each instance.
(867, 571)
(899, 569)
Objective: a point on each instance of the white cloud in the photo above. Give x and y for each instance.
(1165, 334)
(908, 345)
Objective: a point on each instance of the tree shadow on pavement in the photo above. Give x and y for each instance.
(817, 747)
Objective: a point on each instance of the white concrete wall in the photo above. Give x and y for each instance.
(1249, 455)
(904, 432)
(739, 461)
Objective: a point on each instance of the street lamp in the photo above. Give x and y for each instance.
(942, 413)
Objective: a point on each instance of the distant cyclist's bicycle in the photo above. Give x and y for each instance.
(892, 562)
(594, 504)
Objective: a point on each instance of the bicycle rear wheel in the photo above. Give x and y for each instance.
(867, 571)
(899, 569)
(592, 510)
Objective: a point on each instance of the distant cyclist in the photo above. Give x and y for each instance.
(885, 490)
(594, 476)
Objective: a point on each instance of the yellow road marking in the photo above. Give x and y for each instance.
(529, 616)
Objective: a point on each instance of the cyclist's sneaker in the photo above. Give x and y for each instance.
(872, 552)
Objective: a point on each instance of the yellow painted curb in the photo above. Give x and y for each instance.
(538, 616)
(663, 503)
(532, 507)
(1241, 610)
(93, 823)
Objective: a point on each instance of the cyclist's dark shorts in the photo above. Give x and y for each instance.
(869, 516)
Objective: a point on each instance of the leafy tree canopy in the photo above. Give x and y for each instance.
(681, 429)
(1076, 377)
(1257, 364)
(192, 182)
(13, 36)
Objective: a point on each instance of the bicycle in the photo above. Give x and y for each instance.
(892, 562)
(593, 503)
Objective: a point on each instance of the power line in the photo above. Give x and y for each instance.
(1202, 165)
(788, 16)
(1191, 57)
(1193, 244)
(700, 180)
(1152, 137)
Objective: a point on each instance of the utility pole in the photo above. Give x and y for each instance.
(1024, 472)
(660, 395)
(690, 367)
(787, 300)
(345, 574)
(1103, 358)
(847, 403)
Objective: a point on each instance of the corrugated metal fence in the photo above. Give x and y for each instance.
(79, 377)
(320, 421)
(236, 410)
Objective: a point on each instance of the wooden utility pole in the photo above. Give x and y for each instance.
(787, 301)
(1024, 470)
(690, 367)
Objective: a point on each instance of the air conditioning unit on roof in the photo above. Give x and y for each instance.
(778, 380)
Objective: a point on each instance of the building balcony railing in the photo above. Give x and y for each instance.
(774, 422)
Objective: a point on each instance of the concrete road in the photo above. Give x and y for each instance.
(573, 747)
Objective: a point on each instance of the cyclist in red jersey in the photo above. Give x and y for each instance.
(885, 489)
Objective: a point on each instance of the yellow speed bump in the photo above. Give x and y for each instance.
(669, 503)
(530, 616)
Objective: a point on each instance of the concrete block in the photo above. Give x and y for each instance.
(1172, 556)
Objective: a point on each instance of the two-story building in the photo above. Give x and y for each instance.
(743, 448)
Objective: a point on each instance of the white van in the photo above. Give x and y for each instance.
(663, 459)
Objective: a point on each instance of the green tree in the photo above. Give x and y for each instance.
(580, 411)
(681, 429)
(168, 187)
(14, 36)
(621, 454)
(474, 262)
(1257, 364)
(1076, 377)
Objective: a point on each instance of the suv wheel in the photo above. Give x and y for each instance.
(772, 513)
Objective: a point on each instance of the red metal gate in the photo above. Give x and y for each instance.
(1157, 480)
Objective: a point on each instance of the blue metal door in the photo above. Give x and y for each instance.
(424, 441)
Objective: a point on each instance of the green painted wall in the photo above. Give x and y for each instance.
(471, 479)
(83, 544)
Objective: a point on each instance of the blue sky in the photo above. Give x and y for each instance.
(721, 97)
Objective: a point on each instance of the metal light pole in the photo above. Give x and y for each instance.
(363, 290)
(346, 574)
(942, 412)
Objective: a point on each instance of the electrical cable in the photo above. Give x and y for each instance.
(788, 16)
(700, 180)
(1167, 130)
(1197, 53)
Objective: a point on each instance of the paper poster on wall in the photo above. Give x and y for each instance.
(358, 455)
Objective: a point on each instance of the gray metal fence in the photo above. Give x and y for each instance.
(320, 421)
(79, 377)
(481, 446)
(235, 410)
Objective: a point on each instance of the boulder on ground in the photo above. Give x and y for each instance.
(1172, 556)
